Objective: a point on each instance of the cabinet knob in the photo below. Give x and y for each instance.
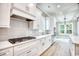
(28, 51)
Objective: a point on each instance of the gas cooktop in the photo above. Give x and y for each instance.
(20, 39)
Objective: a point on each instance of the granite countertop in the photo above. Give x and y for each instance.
(7, 44)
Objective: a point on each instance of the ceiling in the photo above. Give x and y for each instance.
(58, 8)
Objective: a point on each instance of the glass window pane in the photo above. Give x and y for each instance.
(62, 31)
(69, 31)
(69, 26)
(62, 27)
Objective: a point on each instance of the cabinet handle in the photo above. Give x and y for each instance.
(28, 51)
(1, 54)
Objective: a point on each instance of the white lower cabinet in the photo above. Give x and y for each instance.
(27, 50)
(42, 45)
(45, 43)
(48, 41)
(72, 50)
(32, 48)
(6, 52)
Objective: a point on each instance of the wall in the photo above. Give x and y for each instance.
(52, 23)
(77, 15)
(19, 28)
(78, 28)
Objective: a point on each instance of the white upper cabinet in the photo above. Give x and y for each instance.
(21, 6)
(36, 24)
(5, 15)
(24, 10)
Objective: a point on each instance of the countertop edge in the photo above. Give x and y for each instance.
(12, 45)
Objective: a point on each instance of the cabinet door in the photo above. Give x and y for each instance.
(21, 6)
(42, 43)
(27, 7)
(5, 14)
(6, 52)
(35, 24)
(48, 42)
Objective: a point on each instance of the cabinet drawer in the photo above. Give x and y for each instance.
(6, 52)
(21, 47)
(27, 50)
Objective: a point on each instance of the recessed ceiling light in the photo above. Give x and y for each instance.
(31, 4)
(58, 6)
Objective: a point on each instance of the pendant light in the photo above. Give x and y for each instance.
(64, 20)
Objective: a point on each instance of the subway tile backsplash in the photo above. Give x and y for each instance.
(18, 28)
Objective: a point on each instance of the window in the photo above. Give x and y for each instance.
(62, 28)
(69, 28)
(65, 28)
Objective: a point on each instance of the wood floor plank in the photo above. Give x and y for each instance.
(59, 48)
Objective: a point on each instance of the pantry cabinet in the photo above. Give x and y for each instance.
(5, 14)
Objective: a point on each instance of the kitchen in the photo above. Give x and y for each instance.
(37, 29)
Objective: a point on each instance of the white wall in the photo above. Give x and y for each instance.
(19, 28)
(77, 15)
(52, 23)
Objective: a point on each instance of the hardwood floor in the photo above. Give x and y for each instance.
(59, 48)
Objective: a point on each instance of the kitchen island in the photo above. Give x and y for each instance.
(74, 49)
